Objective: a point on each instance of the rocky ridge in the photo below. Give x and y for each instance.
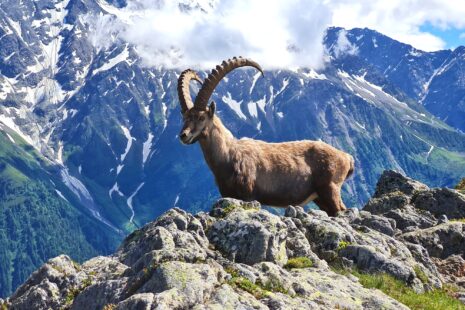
(240, 256)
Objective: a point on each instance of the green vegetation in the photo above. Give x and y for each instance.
(342, 245)
(73, 292)
(298, 262)
(258, 290)
(420, 274)
(36, 223)
(432, 300)
(231, 207)
(248, 286)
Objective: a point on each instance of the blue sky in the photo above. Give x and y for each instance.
(428, 25)
(452, 36)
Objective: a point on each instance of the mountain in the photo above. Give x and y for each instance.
(107, 125)
(37, 221)
(240, 256)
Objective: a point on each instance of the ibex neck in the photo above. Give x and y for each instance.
(216, 143)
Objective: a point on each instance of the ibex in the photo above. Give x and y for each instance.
(275, 174)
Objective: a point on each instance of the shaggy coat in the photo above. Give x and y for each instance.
(275, 174)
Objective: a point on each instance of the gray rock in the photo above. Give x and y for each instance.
(410, 218)
(382, 224)
(443, 219)
(234, 256)
(250, 236)
(98, 295)
(336, 240)
(49, 286)
(392, 181)
(143, 301)
(297, 244)
(226, 297)
(191, 283)
(441, 241)
(441, 201)
(224, 206)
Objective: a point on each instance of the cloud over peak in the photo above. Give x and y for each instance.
(277, 34)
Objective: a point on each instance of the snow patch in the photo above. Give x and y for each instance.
(60, 153)
(255, 78)
(234, 105)
(261, 104)
(119, 168)
(164, 109)
(11, 138)
(61, 195)
(312, 74)
(146, 148)
(129, 201)
(11, 124)
(123, 56)
(127, 134)
(115, 188)
(252, 107)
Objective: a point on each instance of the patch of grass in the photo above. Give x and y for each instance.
(73, 292)
(342, 245)
(76, 265)
(258, 290)
(273, 285)
(248, 286)
(420, 274)
(433, 300)
(298, 262)
(458, 220)
(109, 307)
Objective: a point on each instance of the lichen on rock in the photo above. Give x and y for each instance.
(240, 256)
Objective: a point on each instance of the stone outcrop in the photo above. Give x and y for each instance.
(236, 257)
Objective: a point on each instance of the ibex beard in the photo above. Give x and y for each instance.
(274, 174)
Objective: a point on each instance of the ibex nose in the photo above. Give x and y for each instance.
(183, 135)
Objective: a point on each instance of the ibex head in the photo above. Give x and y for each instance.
(198, 116)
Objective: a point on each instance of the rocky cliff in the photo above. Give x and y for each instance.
(241, 256)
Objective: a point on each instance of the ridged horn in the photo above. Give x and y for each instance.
(184, 92)
(217, 74)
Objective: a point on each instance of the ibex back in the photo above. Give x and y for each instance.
(275, 174)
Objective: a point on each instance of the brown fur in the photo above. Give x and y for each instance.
(275, 174)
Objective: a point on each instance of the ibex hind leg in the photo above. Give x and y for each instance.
(329, 199)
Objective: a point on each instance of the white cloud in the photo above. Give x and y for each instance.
(343, 45)
(275, 33)
(401, 19)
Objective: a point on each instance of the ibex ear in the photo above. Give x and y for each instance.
(211, 109)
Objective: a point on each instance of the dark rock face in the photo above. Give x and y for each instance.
(182, 261)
